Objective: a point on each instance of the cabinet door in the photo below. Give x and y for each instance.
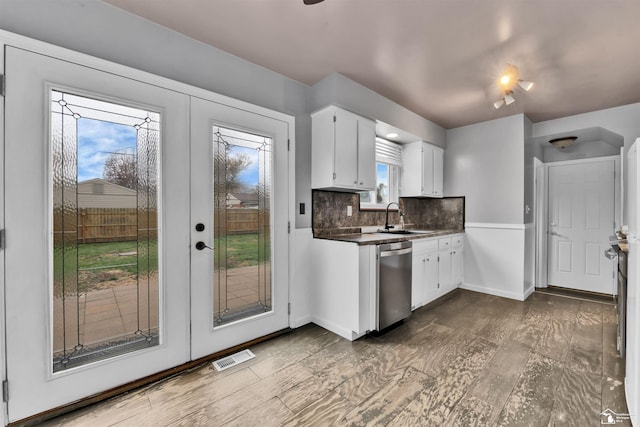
(366, 155)
(444, 271)
(456, 267)
(438, 171)
(427, 169)
(431, 278)
(417, 281)
(345, 150)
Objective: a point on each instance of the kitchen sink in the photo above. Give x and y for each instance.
(392, 231)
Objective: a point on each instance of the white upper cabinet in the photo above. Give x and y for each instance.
(422, 170)
(366, 154)
(343, 150)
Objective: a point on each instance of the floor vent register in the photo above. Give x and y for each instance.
(233, 360)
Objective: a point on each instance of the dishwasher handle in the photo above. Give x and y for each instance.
(395, 252)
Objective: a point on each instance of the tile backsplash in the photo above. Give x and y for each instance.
(329, 214)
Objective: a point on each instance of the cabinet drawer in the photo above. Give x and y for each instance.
(457, 241)
(444, 243)
(425, 245)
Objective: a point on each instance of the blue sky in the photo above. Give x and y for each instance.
(96, 140)
(382, 172)
(249, 176)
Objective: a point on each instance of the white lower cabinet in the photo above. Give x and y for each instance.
(437, 268)
(343, 287)
(457, 260)
(424, 272)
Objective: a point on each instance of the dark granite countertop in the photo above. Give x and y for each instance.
(381, 238)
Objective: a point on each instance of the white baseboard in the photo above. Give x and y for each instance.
(492, 291)
(301, 321)
(529, 291)
(336, 329)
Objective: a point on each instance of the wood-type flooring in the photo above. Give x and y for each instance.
(468, 360)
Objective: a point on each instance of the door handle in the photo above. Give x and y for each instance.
(553, 233)
(201, 245)
(611, 254)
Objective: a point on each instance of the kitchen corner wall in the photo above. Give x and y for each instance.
(330, 213)
(485, 162)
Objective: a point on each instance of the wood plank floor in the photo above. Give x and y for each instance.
(471, 360)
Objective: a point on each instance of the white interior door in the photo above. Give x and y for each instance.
(240, 218)
(97, 272)
(581, 219)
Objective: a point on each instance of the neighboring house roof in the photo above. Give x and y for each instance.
(99, 193)
(247, 199)
(233, 200)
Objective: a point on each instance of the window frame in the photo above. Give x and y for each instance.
(390, 154)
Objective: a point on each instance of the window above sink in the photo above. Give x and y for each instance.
(388, 171)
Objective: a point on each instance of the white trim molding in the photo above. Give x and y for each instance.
(496, 226)
(497, 292)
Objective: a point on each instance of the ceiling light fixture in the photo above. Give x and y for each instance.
(507, 99)
(563, 142)
(392, 135)
(309, 2)
(509, 79)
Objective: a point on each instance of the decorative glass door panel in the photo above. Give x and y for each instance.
(97, 259)
(104, 177)
(242, 261)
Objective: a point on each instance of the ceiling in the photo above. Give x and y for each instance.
(438, 58)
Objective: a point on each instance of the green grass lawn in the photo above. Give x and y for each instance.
(105, 262)
(96, 255)
(242, 250)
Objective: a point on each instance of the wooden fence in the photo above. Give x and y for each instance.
(100, 225)
(242, 221)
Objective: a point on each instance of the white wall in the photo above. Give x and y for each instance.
(494, 259)
(484, 163)
(300, 291)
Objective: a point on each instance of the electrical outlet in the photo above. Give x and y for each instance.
(349, 210)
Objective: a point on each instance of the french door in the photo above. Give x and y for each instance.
(239, 203)
(108, 181)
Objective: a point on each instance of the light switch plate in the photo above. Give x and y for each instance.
(349, 210)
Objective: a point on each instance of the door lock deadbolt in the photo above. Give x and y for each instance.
(199, 226)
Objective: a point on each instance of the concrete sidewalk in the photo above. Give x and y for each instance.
(113, 313)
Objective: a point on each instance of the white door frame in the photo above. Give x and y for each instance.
(540, 212)
(36, 46)
(542, 209)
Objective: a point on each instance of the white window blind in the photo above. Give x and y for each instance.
(388, 152)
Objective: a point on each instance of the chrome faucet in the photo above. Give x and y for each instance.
(386, 218)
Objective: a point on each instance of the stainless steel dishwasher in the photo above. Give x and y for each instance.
(394, 283)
